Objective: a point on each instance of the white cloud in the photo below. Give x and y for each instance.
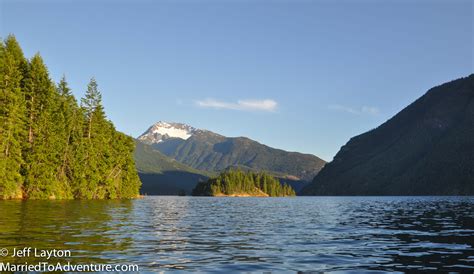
(362, 110)
(247, 105)
(370, 110)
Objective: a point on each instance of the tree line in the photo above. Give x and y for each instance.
(53, 147)
(238, 182)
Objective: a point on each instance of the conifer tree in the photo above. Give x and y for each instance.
(67, 116)
(92, 105)
(96, 142)
(110, 169)
(42, 157)
(12, 111)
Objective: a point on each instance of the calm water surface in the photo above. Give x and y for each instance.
(251, 234)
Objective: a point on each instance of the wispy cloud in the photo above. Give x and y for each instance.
(244, 105)
(362, 110)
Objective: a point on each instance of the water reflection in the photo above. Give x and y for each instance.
(252, 234)
(89, 229)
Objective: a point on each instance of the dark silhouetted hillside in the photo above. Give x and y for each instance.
(161, 175)
(426, 149)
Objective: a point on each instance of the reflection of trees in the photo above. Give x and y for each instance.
(87, 228)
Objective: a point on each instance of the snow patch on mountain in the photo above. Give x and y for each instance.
(173, 131)
(161, 131)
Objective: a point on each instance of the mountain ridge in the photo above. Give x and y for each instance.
(208, 151)
(409, 153)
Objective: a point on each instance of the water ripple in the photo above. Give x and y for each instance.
(252, 234)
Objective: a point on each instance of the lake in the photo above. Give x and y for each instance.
(250, 234)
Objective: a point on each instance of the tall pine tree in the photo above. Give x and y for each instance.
(12, 114)
(42, 157)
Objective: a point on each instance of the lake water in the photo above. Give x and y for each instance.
(250, 234)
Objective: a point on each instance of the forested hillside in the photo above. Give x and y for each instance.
(239, 183)
(161, 175)
(51, 146)
(426, 149)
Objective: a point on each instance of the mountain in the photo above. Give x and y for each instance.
(207, 151)
(426, 149)
(161, 175)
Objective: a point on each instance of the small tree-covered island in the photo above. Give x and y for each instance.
(237, 183)
(51, 146)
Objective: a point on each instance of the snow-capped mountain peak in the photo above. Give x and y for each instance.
(161, 131)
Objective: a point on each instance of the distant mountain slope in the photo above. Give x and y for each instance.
(208, 151)
(161, 175)
(426, 149)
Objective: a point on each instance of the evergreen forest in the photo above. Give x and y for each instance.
(52, 146)
(237, 182)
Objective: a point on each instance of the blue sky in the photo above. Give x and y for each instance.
(298, 75)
